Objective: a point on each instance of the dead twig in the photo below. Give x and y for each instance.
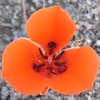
(24, 11)
(44, 4)
(6, 25)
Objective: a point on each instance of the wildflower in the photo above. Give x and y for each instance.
(32, 69)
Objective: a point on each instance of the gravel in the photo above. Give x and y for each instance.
(85, 13)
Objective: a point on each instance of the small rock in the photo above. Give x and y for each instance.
(7, 38)
(99, 71)
(97, 10)
(88, 41)
(89, 26)
(37, 3)
(97, 85)
(74, 1)
(37, 99)
(97, 43)
(96, 18)
(59, 98)
(98, 78)
(14, 22)
(89, 2)
(98, 96)
(32, 8)
(89, 16)
(71, 98)
(89, 98)
(4, 93)
(50, 1)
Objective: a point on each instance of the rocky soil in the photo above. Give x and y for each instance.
(85, 13)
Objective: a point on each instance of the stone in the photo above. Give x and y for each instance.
(89, 26)
(97, 10)
(74, 1)
(98, 96)
(88, 41)
(88, 2)
(89, 98)
(50, 1)
(97, 43)
(4, 93)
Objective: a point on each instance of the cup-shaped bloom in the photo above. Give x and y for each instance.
(33, 69)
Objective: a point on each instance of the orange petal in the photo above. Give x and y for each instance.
(50, 24)
(80, 74)
(17, 68)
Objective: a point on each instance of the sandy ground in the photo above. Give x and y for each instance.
(85, 13)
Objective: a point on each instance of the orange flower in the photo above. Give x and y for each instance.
(32, 69)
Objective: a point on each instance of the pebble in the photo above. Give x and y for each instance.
(97, 43)
(37, 99)
(4, 93)
(97, 85)
(89, 2)
(97, 18)
(74, 1)
(50, 1)
(99, 72)
(37, 3)
(15, 22)
(98, 96)
(97, 10)
(89, 26)
(71, 98)
(89, 16)
(89, 98)
(88, 41)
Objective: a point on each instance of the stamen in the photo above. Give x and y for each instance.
(58, 56)
(61, 70)
(51, 70)
(40, 66)
(59, 63)
(34, 66)
(37, 67)
(44, 56)
(51, 45)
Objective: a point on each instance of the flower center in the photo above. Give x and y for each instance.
(51, 66)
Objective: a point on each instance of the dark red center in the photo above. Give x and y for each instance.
(51, 66)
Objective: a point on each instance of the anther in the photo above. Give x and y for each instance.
(59, 63)
(51, 45)
(62, 69)
(34, 66)
(37, 67)
(44, 56)
(51, 70)
(40, 66)
(58, 56)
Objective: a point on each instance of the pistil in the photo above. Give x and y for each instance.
(59, 63)
(51, 67)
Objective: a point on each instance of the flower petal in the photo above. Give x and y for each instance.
(17, 68)
(50, 24)
(80, 74)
